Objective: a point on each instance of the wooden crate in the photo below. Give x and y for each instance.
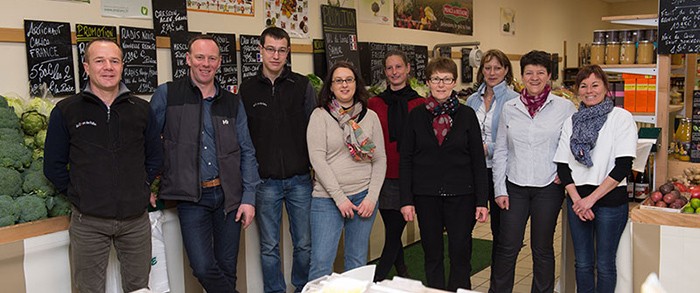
(650, 216)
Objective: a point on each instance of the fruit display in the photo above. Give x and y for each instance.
(669, 195)
(690, 176)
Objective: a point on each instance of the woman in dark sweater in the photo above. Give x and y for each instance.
(392, 107)
(443, 176)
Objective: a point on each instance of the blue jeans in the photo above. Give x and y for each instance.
(595, 247)
(295, 192)
(211, 239)
(326, 226)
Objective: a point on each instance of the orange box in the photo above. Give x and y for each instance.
(630, 93)
(640, 97)
(651, 95)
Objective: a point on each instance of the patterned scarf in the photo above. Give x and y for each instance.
(442, 119)
(360, 145)
(586, 123)
(534, 103)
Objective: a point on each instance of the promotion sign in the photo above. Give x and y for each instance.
(448, 16)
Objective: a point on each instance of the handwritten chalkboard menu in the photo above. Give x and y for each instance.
(169, 16)
(84, 33)
(393, 47)
(178, 52)
(319, 58)
(467, 70)
(250, 55)
(420, 61)
(445, 52)
(372, 62)
(340, 33)
(679, 26)
(49, 57)
(227, 76)
(140, 68)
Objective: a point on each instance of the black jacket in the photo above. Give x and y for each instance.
(113, 153)
(277, 118)
(457, 167)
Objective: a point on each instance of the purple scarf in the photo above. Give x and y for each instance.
(534, 103)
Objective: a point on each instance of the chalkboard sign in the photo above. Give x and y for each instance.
(250, 55)
(467, 70)
(445, 51)
(372, 62)
(319, 58)
(169, 16)
(227, 76)
(679, 26)
(420, 61)
(393, 47)
(340, 33)
(178, 52)
(84, 33)
(49, 57)
(140, 68)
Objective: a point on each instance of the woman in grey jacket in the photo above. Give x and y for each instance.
(494, 78)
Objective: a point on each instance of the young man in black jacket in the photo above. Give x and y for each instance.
(109, 138)
(278, 103)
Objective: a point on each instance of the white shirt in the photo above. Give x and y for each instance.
(617, 138)
(525, 146)
(485, 122)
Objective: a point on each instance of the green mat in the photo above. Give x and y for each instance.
(413, 254)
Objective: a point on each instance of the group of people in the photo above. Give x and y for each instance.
(229, 159)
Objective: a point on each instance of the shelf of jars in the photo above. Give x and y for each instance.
(651, 20)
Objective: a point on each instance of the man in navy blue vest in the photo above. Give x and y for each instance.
(210, 167)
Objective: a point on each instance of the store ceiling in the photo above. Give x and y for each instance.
(618, 1)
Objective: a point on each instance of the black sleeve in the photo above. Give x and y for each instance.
(406, 150)
(623, 166)
(56, 152)
(564, 173)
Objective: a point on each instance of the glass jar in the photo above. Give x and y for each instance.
(682, 138)
(628, 49)
(612, 53)
(645, 53)
(598, 53)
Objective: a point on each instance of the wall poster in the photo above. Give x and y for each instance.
(374, 11)
(435, 15)
(290, 15)
(507, 21)
(237, 7)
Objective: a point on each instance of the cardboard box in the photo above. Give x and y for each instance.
(640, 104)
(651, 94)
(630, 94)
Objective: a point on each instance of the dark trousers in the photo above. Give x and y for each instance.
(495, 214)
(91, 239)
(392, 254)
(541, 205)
(456, 215)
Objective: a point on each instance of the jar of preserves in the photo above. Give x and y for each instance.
(682, 138)
(598, 53)
(628, 48)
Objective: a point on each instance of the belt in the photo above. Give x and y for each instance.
(211, 183)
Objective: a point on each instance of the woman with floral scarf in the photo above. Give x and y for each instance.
(442, 174)
(346, 149)
(595, 154)
(525, 176)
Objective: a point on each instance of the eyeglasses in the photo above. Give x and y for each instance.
(339, 81)
(437, 80)
(272, 50)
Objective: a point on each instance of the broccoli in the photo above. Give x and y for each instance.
(14, 155)
(36, 183)
(32, 122)
(31, 208)
(11, 134)
(17, 104)
(58, 206)
(37, 165)
(8, 118)
(29, 142)
(10, 182)
(3, 102)
(39, 139)
(9, 210)
(37, 154)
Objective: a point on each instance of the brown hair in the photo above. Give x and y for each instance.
(97, 40)
(202, 37)
(501, 58)
(598, 72)
(401, 55)
(441, 64)
(361, 93)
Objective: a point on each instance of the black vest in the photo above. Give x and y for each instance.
(182, 140)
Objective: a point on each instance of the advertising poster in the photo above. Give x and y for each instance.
(290, 15)
(235, 7)
(375, 11)
(507, 21)
(448, 16)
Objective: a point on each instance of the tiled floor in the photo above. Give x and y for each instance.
(523, 267)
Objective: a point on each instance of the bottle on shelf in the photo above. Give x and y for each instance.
(630, 186)
(682, 140)
(642, 181)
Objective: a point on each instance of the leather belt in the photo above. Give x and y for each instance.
(211, 183)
